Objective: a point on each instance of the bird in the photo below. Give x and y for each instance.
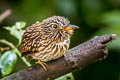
(47, 40)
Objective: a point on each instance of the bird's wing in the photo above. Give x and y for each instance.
(31, 40)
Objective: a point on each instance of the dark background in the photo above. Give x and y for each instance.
(94, 17)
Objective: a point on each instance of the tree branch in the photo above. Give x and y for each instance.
(76, 58)
(5, 14)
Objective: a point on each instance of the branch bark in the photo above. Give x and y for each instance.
(76, 58)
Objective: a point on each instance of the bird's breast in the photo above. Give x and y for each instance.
(52, 51)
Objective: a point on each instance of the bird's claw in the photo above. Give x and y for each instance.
(42, 64)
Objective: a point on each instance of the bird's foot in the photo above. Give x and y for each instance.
(42, 64)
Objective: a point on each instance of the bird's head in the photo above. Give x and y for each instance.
(59, 27)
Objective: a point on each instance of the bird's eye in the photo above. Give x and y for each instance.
(54, 25)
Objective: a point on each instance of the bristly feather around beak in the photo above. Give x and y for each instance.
(71, 27)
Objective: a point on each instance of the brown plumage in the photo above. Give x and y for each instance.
(47, 40)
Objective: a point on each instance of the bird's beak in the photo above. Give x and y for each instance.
(71, 27)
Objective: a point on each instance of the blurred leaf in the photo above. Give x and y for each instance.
(15, 50)
(16, 30)
(68, 76)
(20, 25)
(7, 62)
(112, 18)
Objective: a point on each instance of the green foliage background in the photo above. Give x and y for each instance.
(95, 17)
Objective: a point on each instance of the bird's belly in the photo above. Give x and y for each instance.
(47, 57)
(52, 57)
(51, 54)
